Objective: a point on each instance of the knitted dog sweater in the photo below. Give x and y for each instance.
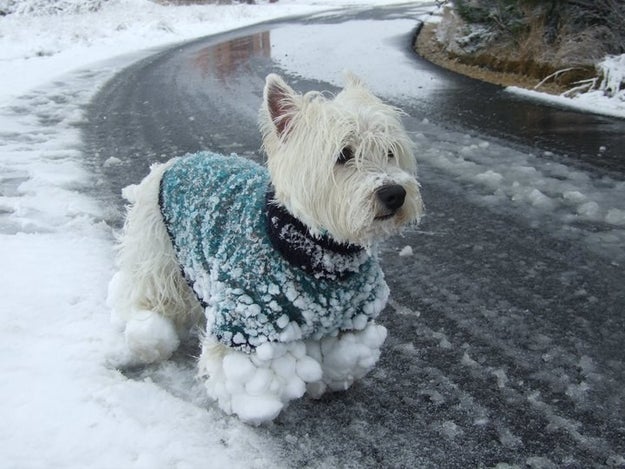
(257, 271)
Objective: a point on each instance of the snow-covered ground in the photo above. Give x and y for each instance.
(63, 404)
(604, 94)
(595, 101)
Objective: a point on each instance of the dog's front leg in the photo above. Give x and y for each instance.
(256, 386)
(345, 358)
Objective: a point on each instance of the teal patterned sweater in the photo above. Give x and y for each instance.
(257, 271)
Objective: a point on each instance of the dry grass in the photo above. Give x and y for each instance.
(491, 68)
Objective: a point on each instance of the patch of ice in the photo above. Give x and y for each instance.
(540, 462)
(508, 439)
(615, 216)
(489, 178)
(406, 251)
(502, 378)
(589, 210)
(112, 161)
(450, 429)
(507, 180)
(468, 361)
(443, 341)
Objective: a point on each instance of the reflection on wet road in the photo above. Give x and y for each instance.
(506, 324)
(223, 60)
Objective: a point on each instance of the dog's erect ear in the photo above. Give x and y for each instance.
(351, 79)
(279, 99)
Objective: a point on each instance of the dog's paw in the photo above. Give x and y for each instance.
(150, 337)
(346, 357)
(257, 386)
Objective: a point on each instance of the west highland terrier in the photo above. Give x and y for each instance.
(277, 264)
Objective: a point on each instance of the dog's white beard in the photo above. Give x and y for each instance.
(346, 206)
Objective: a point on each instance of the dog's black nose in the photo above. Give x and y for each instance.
(392, 196)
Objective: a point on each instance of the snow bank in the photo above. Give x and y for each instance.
(612, 72)
(607, 98)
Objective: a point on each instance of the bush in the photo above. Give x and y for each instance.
(510, 16)
(514, 20)
(607, 17)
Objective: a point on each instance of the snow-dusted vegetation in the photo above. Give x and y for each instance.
(48, 7)
(577, 44)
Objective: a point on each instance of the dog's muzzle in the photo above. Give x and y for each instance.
(391, 197)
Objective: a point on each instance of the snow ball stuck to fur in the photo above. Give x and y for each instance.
(238, 367)
(256, 387)
(256, 409)
(349, 357)
(308, 369)
(151, 337)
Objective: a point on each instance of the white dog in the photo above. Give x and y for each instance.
(279, 265)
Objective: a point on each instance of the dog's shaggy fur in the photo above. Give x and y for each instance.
(289, 287)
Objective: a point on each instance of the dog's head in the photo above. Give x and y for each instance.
(344, 166)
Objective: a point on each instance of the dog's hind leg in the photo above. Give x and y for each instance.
(149, 292)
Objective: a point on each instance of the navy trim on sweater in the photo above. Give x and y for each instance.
(293, 240)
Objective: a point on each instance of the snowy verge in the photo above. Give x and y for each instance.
(62, 404)
(605, 99)
(594, 102)
(604, 94)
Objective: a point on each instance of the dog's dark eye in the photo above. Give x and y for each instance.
(390, 154)
(345, 155)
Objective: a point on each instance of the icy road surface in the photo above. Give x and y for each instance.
(506, 320)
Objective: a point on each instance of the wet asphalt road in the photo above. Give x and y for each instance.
(505, 339)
